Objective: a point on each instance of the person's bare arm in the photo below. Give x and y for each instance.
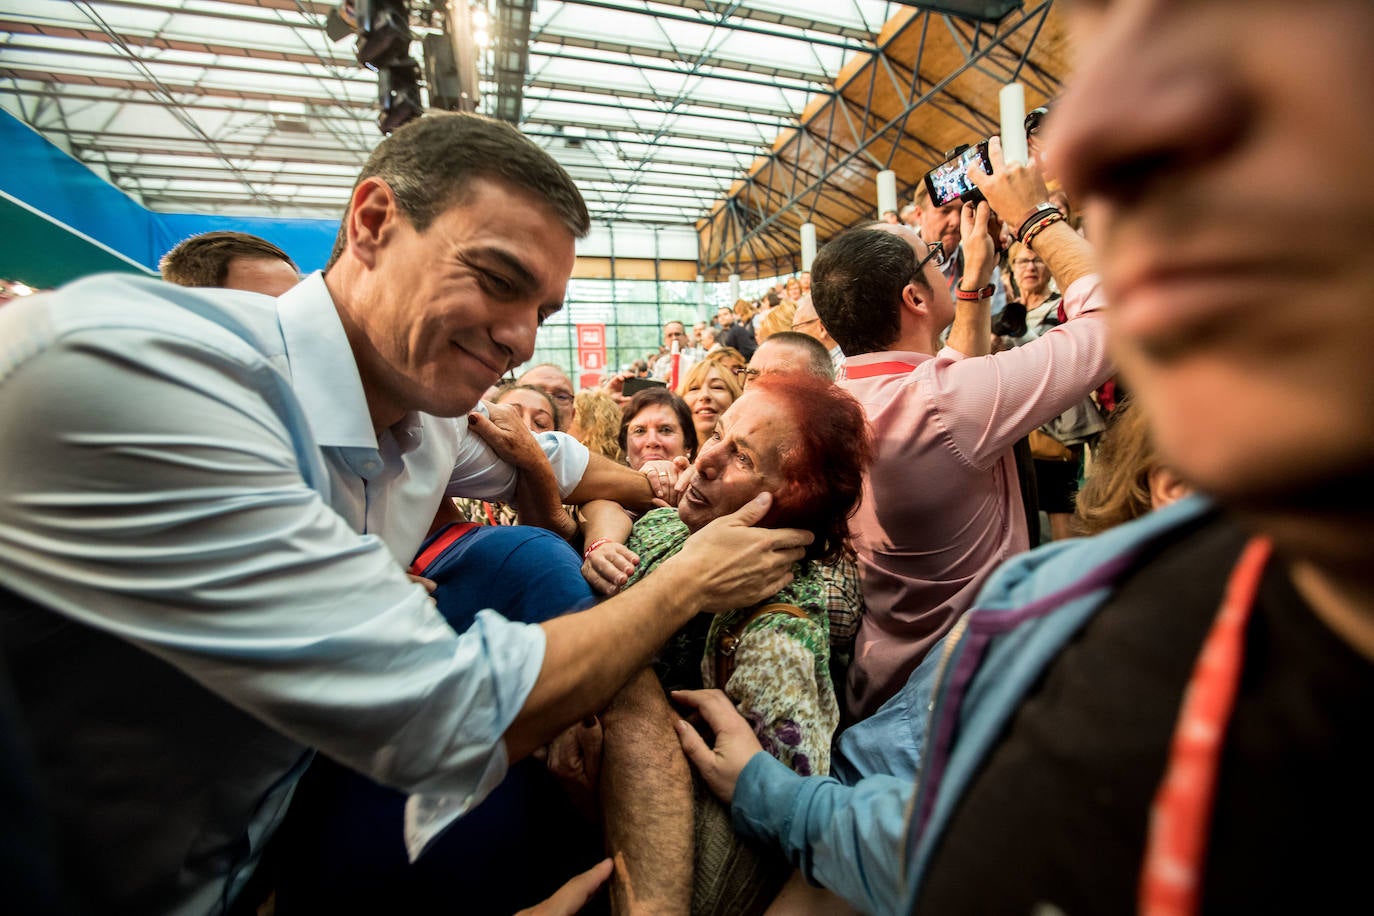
(1014, 191)
(589, 655)
(646, 801)
(971, 332)
(637, 490)
(608, 563)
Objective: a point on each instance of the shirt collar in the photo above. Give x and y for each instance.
(324, 373)
(887, 356)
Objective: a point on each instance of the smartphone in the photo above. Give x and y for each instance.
(948, 181)
(634, 386)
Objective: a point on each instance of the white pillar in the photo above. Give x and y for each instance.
(887, 192)
(1012, 99)
(701, 298)
(734, 289)
(808, 244)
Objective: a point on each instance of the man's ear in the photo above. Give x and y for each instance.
(371, 218)
(915, 299)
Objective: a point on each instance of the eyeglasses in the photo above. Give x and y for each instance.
(1028, 262)
(935, 255)
(562, 397)
(746, 375)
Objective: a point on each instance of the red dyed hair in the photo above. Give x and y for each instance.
(823, 462)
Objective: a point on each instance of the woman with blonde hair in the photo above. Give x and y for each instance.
(709, 388)
(596, 423)
(1127, 479)
(779, 319)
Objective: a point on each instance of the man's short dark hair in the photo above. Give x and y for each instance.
(818, 361)
(203, 260)
(856, 286)
(429, 163)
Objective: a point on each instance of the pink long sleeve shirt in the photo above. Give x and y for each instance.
(941, 505)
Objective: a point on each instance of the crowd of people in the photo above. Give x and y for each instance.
(312, 603)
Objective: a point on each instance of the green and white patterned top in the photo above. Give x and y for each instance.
(781, 680)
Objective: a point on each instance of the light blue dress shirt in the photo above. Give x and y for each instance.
(206, 539)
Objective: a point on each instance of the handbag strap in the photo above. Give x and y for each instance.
(729, 639)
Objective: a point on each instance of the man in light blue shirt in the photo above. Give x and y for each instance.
(209, 498)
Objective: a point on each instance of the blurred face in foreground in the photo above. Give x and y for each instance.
(1188, 127)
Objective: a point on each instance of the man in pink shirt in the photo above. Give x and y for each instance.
(941, 506)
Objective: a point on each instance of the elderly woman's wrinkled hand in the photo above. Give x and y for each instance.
(662, 475)
(504, 431)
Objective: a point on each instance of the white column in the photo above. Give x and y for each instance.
(808, 244)
(1012, 99)
(734, 289)
(887, 192)
(701, 298)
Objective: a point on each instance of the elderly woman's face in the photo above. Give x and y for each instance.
(740, 460)
(654, 433)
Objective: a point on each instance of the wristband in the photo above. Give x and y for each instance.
(595, 544)
(1042, 210)
(1040, 227)
(973, 295)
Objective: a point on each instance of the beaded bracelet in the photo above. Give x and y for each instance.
(1041, 212)
(595, 544)
(1049, 220)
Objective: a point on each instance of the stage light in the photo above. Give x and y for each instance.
(383, 32)
(398, 94)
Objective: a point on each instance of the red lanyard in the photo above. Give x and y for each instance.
(1180, 818)
(875, 369)
(452, 533)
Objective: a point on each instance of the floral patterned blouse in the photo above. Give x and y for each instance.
(781, 680)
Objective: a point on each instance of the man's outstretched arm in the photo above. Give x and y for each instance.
(590, 655)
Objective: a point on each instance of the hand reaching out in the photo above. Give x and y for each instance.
(736, 742)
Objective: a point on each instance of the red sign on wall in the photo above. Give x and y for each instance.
(591, 347)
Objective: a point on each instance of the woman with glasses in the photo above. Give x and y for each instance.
(1036, 311)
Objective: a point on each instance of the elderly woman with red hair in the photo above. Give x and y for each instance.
(806, 443)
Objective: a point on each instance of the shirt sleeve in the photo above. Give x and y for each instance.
(986, 403)
(163, 498)
(847, 839)
(479, 473)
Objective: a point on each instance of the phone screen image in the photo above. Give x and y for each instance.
(949, 181)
